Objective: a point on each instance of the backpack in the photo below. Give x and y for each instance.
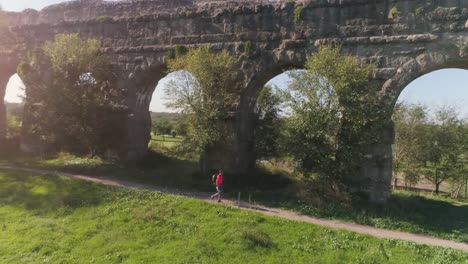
(213, 178)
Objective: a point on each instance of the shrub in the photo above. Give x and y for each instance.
(13, 127)
(256, 237)
(170, 54)
(298, 14)
(247, 46)
(103, 19)
(419, 11)
(393, 13)
(180, 50)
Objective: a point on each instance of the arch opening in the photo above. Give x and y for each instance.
(430, 119)
(13, 101)
(167, 128)
(283, 99)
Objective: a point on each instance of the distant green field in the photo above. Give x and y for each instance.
(49, 219)
(166, 141)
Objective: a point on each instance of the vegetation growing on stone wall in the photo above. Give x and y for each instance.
(419, 11)
(298, 14)
(103, 19)
(170, 54)
(180, 50)
(205, 89)
(247, 46)
(393, 13)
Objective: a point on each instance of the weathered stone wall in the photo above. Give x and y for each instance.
(425, 36)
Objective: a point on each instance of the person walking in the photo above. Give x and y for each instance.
(219, 186)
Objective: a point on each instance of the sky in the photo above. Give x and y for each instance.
(20, 5)
(441, 87)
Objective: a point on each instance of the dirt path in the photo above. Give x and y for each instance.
(361, 229)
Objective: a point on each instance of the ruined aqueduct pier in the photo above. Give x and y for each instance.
(422, 36)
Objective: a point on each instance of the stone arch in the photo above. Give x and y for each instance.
(415, 68)
(378, 166)
(245, 127)
(139, 85)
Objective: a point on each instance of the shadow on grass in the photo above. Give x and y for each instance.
(48, 194)
(156, 169)
(421, 214)
(406, 212)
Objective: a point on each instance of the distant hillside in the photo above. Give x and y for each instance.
(171, 117)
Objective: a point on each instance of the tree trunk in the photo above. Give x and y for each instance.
(466, 187)
(457, 192)
(437, 187)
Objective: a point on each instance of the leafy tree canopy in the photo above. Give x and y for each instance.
(206, 90)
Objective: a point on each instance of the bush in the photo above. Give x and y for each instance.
(256, 237)
(419, 11)
(247, 46)
(393, 13)
(298, 14)
(180, 50)
(13, 127)
(103, 19)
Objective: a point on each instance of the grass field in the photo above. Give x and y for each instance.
(51, 219)
(435, 216)
(165, 141)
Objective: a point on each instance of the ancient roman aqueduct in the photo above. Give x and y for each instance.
(404, 38)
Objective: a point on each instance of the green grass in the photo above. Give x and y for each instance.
(406, 211)
(164, 141)
(51, 219)
(410, 212)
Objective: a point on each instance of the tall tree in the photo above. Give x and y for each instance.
(162, 127)
(322, 100)
(410, 122)
(205, 90)
(69, 94)
(268, 125)
(432, 148)
(444, 147)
